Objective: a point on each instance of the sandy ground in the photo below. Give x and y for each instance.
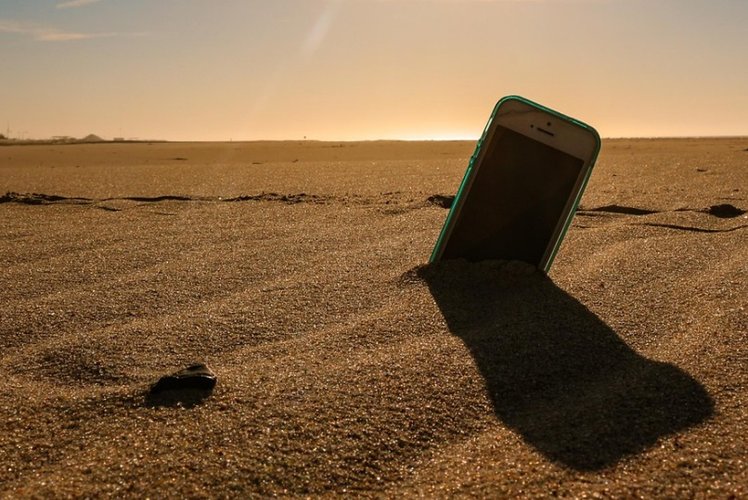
(345, 366)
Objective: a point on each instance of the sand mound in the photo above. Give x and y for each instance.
(91, 138)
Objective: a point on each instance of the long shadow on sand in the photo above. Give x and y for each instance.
(555, 372)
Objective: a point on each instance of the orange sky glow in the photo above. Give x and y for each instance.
(368, 69)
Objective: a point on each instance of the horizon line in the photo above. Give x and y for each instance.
(82, 140)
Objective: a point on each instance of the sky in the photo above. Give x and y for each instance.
(367, 69)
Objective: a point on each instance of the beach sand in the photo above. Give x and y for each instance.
(295, 270)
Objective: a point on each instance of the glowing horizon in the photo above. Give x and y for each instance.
(368, 69)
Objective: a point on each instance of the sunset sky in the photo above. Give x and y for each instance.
(367, 69)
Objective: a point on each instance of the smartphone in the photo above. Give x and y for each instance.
(521, 188)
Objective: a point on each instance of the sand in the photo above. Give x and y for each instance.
(345, 366)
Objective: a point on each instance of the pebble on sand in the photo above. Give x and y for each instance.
(197, 376)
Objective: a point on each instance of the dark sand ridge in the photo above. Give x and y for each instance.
(345, 366)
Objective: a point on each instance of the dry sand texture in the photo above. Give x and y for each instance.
(295, 270)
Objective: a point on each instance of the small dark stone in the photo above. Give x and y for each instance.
(725, 211)
(441, 200)
(195, 377)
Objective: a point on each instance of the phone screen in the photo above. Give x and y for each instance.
(515, 202)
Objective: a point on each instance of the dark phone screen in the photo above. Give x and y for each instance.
(515, 202)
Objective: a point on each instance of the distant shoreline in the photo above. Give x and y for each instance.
(74, 142)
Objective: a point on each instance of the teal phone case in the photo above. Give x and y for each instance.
(465, 179)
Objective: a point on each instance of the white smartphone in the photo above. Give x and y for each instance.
(521, 187)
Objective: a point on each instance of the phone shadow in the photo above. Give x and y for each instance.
(555, 372)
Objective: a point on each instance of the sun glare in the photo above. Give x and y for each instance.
(441, 136)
